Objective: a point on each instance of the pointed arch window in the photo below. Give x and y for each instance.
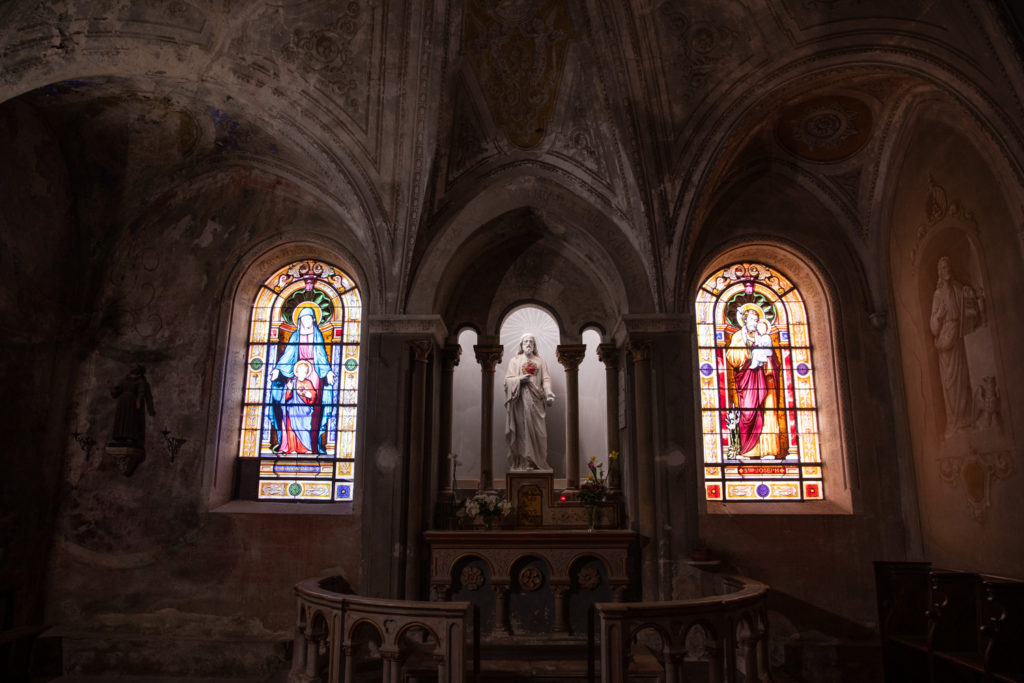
(300, 396)
(758, 408)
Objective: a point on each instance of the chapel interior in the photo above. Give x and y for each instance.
(411, 187)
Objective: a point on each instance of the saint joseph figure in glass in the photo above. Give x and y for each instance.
(302, 384)
(755, 371)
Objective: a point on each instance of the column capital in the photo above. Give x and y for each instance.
(421, 349)
(559, 590)
(450, 355)
(571, 355)
(609, 355)
(488, 356)
(640, 349)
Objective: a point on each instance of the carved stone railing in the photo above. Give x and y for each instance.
(733, 624)
(331, 627)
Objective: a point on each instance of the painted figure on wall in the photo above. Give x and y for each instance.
(527, 395)
(302, 385)
(956, 312)
(755, 372)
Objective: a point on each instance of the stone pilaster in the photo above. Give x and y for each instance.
(609, 355)
(421, 351)
(640, 350)
(488, 357)
(450, 355)
(570, 356)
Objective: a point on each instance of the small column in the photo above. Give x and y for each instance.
(311, 654)
(441, 592)
(609, 355)
(570, 356)
(501, 609)
(619, 593)
(488, 357)
(350, 662)
(641, 352)
(299, 652)
(749, 645)
(392, 666)
(421, 350)
(449, 359)
(561, 624)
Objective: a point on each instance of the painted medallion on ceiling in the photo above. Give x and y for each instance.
(517, 50)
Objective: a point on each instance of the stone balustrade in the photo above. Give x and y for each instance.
(731, 630)
(334, 629)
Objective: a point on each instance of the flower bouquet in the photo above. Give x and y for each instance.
(594, 490)
(483, 508)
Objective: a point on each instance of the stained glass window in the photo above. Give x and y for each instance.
(302, 372)
(758, 411)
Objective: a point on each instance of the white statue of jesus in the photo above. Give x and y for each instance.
(527, 395)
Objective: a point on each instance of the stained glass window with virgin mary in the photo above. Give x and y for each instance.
(758, 410)
(302, 371)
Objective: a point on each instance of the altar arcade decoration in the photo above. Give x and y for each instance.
(302, 378)
(758, 409)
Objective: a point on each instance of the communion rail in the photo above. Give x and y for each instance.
(332, 627)
(733, 623)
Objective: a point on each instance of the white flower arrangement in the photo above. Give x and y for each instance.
(483, 508)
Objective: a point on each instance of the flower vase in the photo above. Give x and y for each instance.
(591, 517)
(488, 523)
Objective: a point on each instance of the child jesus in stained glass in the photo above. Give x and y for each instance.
(300, 396)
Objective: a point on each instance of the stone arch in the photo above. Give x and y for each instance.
(511, 216)
(915, 62)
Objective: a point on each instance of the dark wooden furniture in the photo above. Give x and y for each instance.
(942, 626)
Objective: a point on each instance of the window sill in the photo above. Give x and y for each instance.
(254, 507)
(824, 507)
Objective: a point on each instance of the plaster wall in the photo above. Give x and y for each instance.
(153, 552)
(40, 330)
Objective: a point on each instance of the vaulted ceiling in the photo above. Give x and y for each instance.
(615, 129)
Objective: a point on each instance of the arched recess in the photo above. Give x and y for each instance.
(529, 238)
(823, 331)
(740, 128)
(954, 261)
(241, 291)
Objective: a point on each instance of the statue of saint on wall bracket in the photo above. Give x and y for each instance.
(127, 446)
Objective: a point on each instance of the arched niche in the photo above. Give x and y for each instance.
(538, 321)
(529, 239)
